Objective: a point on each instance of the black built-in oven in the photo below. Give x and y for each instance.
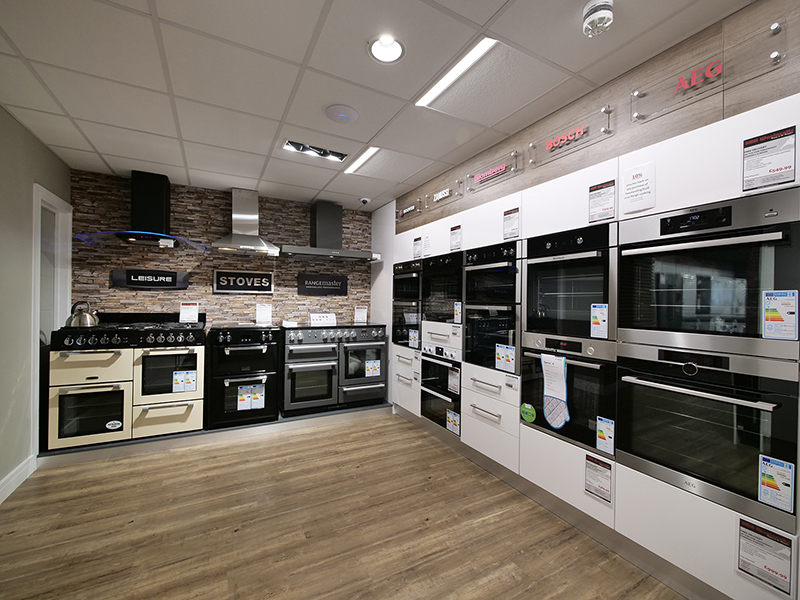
(722, 426)
(440, 391)
(722, 277)
(406, 302)
(570, 281)
(492, 309)
(442, 288)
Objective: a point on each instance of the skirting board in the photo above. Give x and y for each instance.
(14, 479)
(679, 580)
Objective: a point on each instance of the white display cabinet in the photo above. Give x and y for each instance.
(436, 236)
(485, 225)
(404, 379)
(404, 244)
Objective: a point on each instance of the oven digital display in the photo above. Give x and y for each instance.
(697, 221)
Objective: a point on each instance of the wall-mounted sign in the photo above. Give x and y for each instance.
(243, 282)
(639, 188)
(769, 159)
(441, 195)
(565, 138)
(511, 223)
(148, 279)
(583, 132)
(712, 70)
(406, 210)
(499, 170)
(321, 285)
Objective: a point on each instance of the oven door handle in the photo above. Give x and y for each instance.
(307, 366)
(162, 406)
(491, 266)
(363, 387)
(261, 378)
(312, 348)
(577, 363)
(576, 256)
(228, 350)
(766, 406)
(172, 350)
(406, 276)
(67, 390)
(745, 239)
(497, 308)
(362, 344)
(483, 410)
(438, 362)
(404, 303)
(438, 395)
(90, 353)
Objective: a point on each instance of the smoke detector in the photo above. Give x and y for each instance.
(341, 113)
(597, 17)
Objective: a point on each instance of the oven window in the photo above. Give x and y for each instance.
(90, 413)
(405, 319)
(244, 396)
(561, 294)
(406, 287)
(442, 378)
(483, 330)
(497, 285)
(444, 413)
(363, 362)
(440, 292)
(311, 385)
(158, 371)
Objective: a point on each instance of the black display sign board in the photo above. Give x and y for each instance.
(148, 279)
(243, 282)
(321, 285)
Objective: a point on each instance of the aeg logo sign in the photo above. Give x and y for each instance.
(714, 69)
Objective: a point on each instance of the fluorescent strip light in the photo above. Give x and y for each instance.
(465, 63)
(361, 160)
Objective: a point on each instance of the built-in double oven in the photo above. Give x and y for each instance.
(406, 303)
(708, 353)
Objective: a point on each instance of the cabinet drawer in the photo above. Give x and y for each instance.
(91, 366)
(495, 414)
(491, 383)
(160, 419)
(405, 357)
(490, 441)
(405, 389)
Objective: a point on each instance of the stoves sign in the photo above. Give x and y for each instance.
(145, 279)
(321, 285)
(243, 282)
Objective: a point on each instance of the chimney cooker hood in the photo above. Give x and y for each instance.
(326, 236)
(244, 230)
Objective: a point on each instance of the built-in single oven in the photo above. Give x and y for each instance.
(441, 392)
(722, 426)
(585, 415)
(168, 374)
(492, 309)
(722, 277)
(442, 291)
(570, 282)
(406, 302)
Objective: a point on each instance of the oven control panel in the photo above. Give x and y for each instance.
(443, 351)
(331, 335)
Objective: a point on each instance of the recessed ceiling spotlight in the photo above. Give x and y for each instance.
(457, 71)
(597, 17)
(341, 113)
(313, 151)
(385, 49)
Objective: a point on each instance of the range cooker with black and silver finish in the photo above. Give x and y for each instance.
(333, 367)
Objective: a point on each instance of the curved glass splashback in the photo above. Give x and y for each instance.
(140, 238)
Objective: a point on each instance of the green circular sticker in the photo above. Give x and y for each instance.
(528, 412)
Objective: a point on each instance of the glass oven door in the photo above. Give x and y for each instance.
(406, 287)
(441, 393)
(492, 284)
(362, 363)
(441, 290)
(89, 414)
(168, 374)
(310, 385)
(406, 324)
(242, 400)
(486, 328)
(238, 360)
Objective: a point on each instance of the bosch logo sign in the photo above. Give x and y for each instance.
(565, 138)
(494, 172)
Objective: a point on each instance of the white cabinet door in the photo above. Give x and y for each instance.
(404, 388)
(489, 434)
(493, 222)
(692, 533)
(563, 204)
(560, 468)
(497, 415)
(492, 383)
(436, 236)
(404, 245)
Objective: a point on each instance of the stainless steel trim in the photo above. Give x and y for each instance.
(170, 350)
(745, 239)
(590, 347)
(576, 256)
(757, 510)
(766, 406)
(90, 353)
(307, 366)
(93, 388)
(494, 385)
(406, 275)
(363, 387)
(569, 361)
(483, 410)
(261, 378)
(401, 357)
(437, 394)
(159, 406)
(311, 347)
(486, 307)
(228, 350)
(438, 362)
(491, 266)
(363, 344)
(408, 379)
(404, 303)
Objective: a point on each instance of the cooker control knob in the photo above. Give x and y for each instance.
(104, 339)
(170, 338)
(150, 339)
(228, 337)
(221, 338)
(324, 335)
(190, 337)
(346, 334)
(291, 338)
(263, 336)
(374, 333)
(299, 337)
(80, 341)
(338, 335)
(93, 340)
(160, 338)
(548, 245)
(579, 240)
(116, 339)
(590, 350)
(179, 338)
(68, 341)
(269, 337)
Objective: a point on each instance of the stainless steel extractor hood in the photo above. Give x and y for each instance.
(244, 236)
(326, 236)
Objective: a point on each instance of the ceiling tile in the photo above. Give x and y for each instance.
(50, 128)
(347, 201)
(317, 92)
(220, 181)
(221, 160)
(133, 144)
(431, 39)
(561, 95)
(530, 24)
(124, 166)
(485, 140)
(424, 132)
(292, 173)
(103, 101)
(428, 173)
(392, 166)
(270, 189)
(81, 160)
(141, 5)
(320, 140)
(477, 11)
(358, 185)
(20, 87)
(394, 192)
(222, 127)
(280, 27)
(86, 36)
(218, 73)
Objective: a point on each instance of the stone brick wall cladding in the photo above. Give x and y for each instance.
(102, 203)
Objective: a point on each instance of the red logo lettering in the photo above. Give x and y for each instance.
(565, 138)
(696, 77)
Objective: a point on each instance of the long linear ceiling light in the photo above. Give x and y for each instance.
(465, 63)
(361, 160)
(313, 151)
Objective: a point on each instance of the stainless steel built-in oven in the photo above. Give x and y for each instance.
(590, 402)
(406, 302)
(492, 309)
(722, 426)
(441, 392)
(442, 288)
(570, 281)
(722, 277)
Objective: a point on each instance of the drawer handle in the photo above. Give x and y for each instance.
(408, 379)
(155, 407)
(441, 335)
(499, 388)
(483, 410)
(93, 388)
(405, 358)
(85, 353)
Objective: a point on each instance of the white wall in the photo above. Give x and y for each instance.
(23, 162)
(383, 242)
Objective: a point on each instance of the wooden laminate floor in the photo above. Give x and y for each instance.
(370, 509)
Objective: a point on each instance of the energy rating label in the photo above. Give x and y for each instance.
(780, 315)
(776, 483)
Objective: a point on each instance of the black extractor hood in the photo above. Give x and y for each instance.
(150, 214)
(326, 236)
